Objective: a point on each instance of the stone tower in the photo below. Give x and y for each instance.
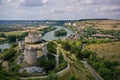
(30, 55)
(45, 51)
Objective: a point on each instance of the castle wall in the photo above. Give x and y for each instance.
(30, 56)
(33, 38)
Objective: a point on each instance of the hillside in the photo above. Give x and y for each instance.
(100, 24)
(108, 51)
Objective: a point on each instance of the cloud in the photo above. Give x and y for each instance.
(34, 3)
(116, 2)
(59, 9)
(1, 2)
(110, 8)
(67, 9)
(72, 1)
(92, 1)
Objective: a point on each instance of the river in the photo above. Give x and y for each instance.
(4, 45)
(49, 36)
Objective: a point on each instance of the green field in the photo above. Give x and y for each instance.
(27, 30)
(14, 33)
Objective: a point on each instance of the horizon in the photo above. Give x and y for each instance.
(59, 19)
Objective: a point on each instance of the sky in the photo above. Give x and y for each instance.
(58, 9)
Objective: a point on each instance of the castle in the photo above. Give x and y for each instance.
(32, 52)
(32, 38)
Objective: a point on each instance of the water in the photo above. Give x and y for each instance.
(50, 35)
(4, 45)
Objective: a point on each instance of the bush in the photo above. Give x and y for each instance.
(105, 68)
(52, 76)
(47, 64)
(11, 38)
(51, 47)
(8, 54)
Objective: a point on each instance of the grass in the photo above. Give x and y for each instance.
(101, 24)
(108, 51)
(77, 69)
(14, 33)
(2, 38)
(27, 30)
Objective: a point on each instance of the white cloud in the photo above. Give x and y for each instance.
(110, 8)
(34, 3)
(93, 1)
(44, 1)
(89, 1)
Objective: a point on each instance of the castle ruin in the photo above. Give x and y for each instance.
(32, 52)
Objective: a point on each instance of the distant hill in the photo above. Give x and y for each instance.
(106, 24)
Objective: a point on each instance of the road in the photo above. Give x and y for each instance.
(58, 73)
(93, 72)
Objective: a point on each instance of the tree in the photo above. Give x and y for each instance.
(51, 47)
(2, 35)
(61, 32)
(52, 76)
(11, 38)
(8, 54)
(104, 71)
(47, 64)
(86, 53)
(72, 77)
(66, 46)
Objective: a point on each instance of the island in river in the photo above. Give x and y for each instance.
(61, 32)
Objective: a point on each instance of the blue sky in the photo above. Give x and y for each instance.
(58, 9)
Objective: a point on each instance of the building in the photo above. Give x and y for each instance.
(33, 52)
(32, 38)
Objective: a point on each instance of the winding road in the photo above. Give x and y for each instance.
(38, 77)
(58, 73)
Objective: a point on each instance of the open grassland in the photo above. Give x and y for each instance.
(27, 30)
(108, 51)
(14, 33)
(101, 24)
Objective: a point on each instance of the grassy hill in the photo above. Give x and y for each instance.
(106, 60)
(101, 24)
(108, 51)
